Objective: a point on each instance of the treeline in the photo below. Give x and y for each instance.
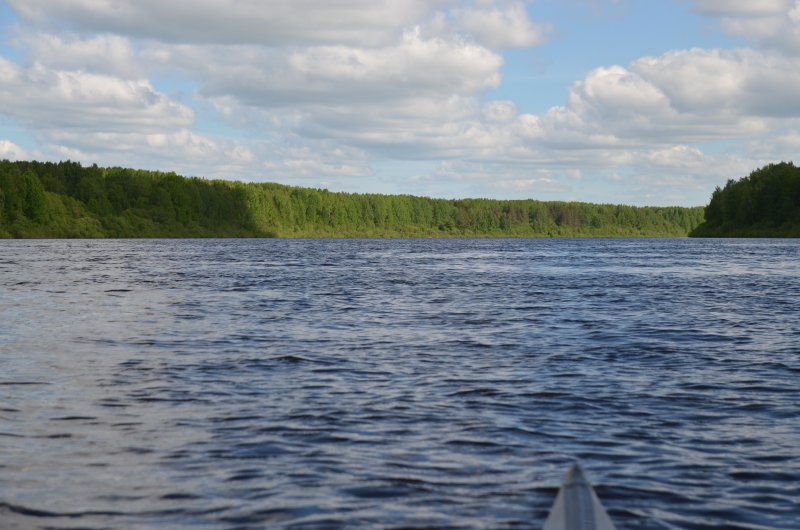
(764, 204)
(67, 200)
(43, 199)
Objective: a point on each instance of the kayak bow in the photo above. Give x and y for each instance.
(576, 506)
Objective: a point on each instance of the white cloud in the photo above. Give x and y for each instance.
(181, 150)
(11, 151)
(195, 154)
(499, 111)
(337, 75)
(742, 8)
(267, 22)
(782, 145)
(771, 24)
(306, 163)
(279, 23)
(44, 98)
(676, 156)
(501, 27)
(102, 54)
(619, 97)
(533, 186)
(365, 75)
(182, 142)
(684, 174)
(327, 91)
(486, 178)
(684, 96)
(734, 83)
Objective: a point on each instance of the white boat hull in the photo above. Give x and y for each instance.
(576, 506)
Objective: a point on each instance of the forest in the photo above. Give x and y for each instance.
(68, 200)
(764, 204)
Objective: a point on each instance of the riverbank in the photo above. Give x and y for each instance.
(67, 200)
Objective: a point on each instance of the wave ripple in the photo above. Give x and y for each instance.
(397, 383)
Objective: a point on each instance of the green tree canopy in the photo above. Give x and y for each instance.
(68, 200)
(765, 203)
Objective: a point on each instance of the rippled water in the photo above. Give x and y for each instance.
(397, 384)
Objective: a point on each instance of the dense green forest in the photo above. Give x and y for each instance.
(764, 204)
(43, 199)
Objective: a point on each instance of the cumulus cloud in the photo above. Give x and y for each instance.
(197, 154)
(497, 24)
(500, 111)
(611, 115)
(45, 98)
(486, 178)
(501, 26)
(773, 24)
(780, 145)
(101, 54)
(333, 75)
(742, 8)
(678, 174)
(683, 174)
(365, 75)
(11, 151)
(306, 162)
(183, 141)
(739, 82)
(320, 92)
(266, 22)
(619, 100)
(683, 96)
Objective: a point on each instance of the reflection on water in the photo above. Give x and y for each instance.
(389, 384)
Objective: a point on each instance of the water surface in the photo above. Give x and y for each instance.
(397, 383)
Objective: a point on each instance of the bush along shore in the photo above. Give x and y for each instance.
(764, 204)
(68, 200)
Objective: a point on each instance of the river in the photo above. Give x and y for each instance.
(292, 384)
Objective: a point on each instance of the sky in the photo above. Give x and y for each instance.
(643, 102)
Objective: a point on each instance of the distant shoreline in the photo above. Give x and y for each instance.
(67, 200)
(366, 238)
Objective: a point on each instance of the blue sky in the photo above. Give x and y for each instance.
(647, 102)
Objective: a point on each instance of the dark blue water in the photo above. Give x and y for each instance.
(397, 384)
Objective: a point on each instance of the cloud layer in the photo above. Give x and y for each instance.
(335, 93)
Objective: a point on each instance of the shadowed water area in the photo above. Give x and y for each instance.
(290, 384)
